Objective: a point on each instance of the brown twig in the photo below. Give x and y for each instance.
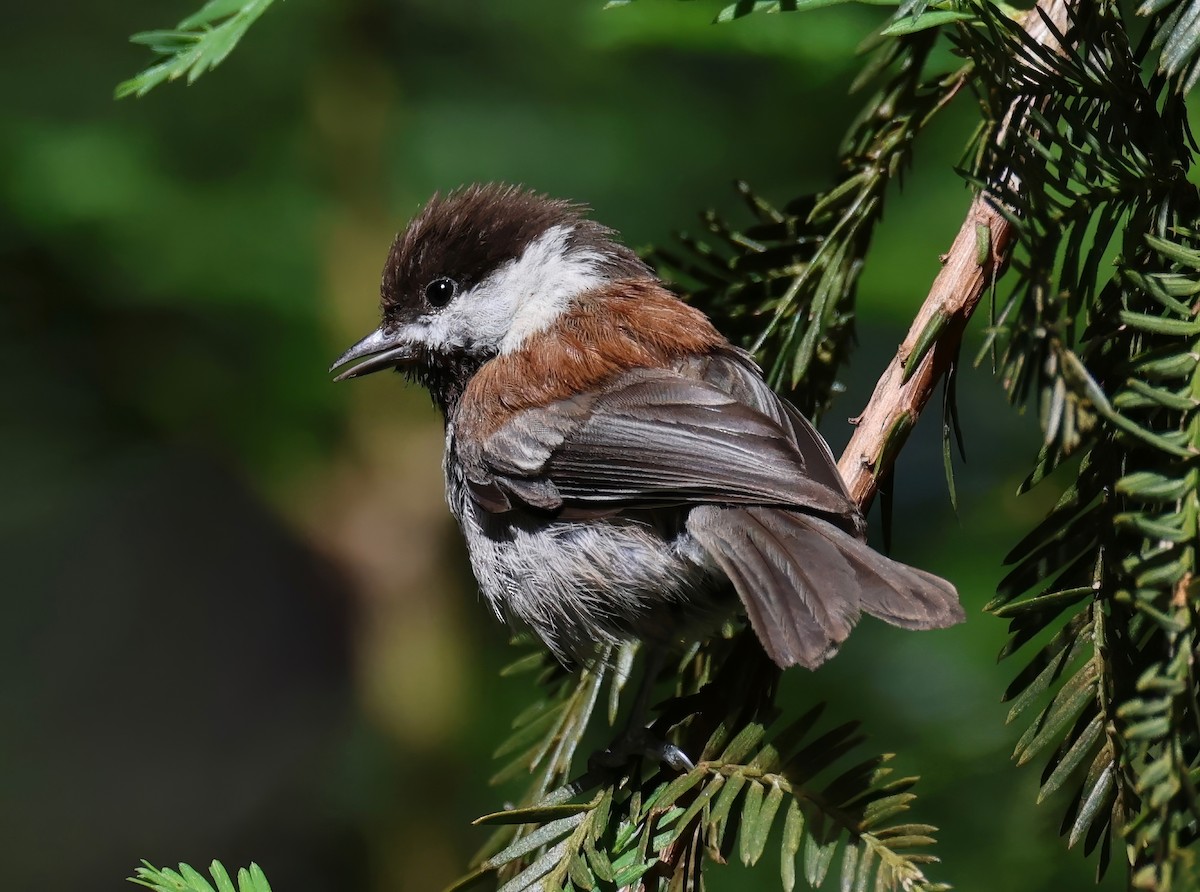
(976, 259)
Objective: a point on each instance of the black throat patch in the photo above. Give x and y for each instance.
(445, 376)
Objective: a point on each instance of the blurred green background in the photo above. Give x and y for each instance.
(238, 620)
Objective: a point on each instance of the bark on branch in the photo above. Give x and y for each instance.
(978, 256)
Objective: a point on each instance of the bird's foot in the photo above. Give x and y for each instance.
(641, 743)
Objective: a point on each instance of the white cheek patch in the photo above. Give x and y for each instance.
(540, 284)
(520, 299)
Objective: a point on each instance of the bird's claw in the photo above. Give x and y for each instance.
(640, 743)
(671, 756)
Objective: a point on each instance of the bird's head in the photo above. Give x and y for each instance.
(476, 273)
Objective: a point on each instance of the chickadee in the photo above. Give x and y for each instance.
(618, 468)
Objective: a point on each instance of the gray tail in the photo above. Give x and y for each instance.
(804, 582)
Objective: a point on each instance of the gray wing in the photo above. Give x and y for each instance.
(653, 438)
(735, 372)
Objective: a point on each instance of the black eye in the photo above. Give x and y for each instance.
(441, 291)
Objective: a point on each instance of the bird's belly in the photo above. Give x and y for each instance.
(579, 584)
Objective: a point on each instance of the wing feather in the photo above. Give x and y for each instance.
(655, 437)
(735, 372)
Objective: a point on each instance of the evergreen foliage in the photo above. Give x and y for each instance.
(187, 879)
(631, 819)
(196, 45)
(798, 267)
(1084, 147)
(1110, 358)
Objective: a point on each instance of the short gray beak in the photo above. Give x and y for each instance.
(378, 350)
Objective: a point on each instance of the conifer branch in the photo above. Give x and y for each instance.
(975, 261)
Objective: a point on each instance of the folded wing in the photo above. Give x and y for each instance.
(654, 438)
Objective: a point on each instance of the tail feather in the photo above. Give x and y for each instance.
(804, 582)
(893, 592)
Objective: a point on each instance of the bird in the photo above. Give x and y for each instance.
(620, 470)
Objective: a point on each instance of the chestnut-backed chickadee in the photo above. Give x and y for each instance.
(618, 468)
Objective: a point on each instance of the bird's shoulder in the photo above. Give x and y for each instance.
(634, 324)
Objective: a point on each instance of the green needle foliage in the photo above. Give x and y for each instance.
(1176, 38)
(196, 45)
(1109, 353)
(797, 268)
(187, 879)
(630, 820)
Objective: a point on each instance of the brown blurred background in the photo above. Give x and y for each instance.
(238, 621)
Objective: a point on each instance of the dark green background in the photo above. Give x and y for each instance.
(238, 619)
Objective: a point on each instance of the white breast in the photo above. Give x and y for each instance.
(578, 584)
